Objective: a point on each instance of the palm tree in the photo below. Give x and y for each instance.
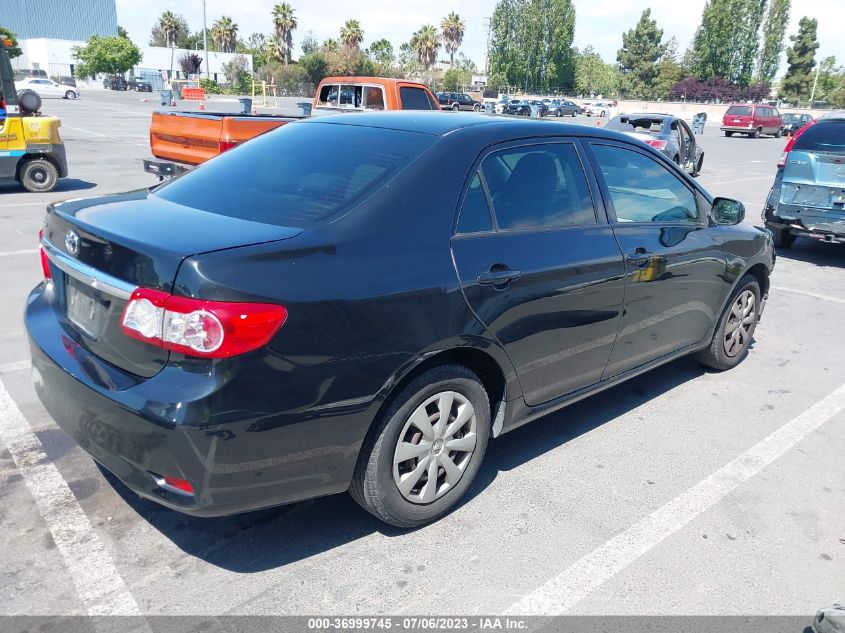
(284, 23)
(169, 26)
(351, 34)
(426, 43)
(225, 33)
(330, 45)
(453, 34)
(277, 51)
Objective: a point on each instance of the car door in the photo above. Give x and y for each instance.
(688, 154)
(539, 267)
(674, 260)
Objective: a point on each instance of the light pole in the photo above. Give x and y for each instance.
(205, 40)
(815, 82)
(487, 25)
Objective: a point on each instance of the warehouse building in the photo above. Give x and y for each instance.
(59, 19)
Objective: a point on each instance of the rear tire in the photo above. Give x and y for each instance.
(782, 238)
(39, 175)
(756, 133)
(779, 133)
(729, 134)
(376, 481)
(735, 329)
(698, 166)
(455, 107)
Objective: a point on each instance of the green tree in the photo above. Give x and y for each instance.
(801, 56)
(309, 44)
(6, 34)
(112, 55)
(774, 30)
(170, 30)
(276, 51)
(381, 52)
(330, 45)
(351, 34)
(531, 44)
(409, 64)
(425, 44)
(592, 75)
(642, 48)
(456, 79)
(284, 23)
(196, 41)
(453, 28)
(315, 66)
(122, 32)
(224, 32)
(670, 70)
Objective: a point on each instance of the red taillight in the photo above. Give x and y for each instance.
(657, 144)
(785, 156)
(45, 261)
(180, 484)
(209, 329)
(225, 144)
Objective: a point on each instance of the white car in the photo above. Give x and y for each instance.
(599, 108)
(47, 88)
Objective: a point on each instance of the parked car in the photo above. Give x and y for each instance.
(807, 198)
(524, 108)
(238, 337)
(139, 85)
(115, 82)
(669, 135)
(501, 104)
(752, 120)
(458, 101)
(372, 93)
(793, 121)
(562, 107)
(47, 88)
(599, 108)
(65, 81)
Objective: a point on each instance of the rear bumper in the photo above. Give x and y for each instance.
(165, 168)
(142, 429)
(736, 128)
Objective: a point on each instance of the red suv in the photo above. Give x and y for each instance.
(753, 120)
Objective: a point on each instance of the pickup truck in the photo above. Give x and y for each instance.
(180, 140)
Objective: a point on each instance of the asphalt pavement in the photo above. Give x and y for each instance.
(683, 491)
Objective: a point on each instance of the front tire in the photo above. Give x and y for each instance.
(756, 133)
(70, 94)
(39, 175)
(425, 449)
(736, 327)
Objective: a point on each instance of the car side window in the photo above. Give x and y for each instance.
(475, 213)
(538, 186)
(643, 190)
(414, 99)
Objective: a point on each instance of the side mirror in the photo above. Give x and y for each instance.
(727, 211)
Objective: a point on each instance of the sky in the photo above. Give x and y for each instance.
(598, 22)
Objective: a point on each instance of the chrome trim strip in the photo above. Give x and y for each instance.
(86, 274)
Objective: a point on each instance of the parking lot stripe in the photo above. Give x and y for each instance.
(807, 293)
(28, 251)
(97, 581)
(16, 366)
(562, 592)
(84, 131)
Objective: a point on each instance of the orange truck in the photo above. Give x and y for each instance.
(181, 140)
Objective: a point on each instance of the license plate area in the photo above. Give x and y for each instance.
(88, 309)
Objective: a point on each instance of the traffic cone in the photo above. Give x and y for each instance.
(254, 111)
(598, 122)
(202, 105)
(172, 102)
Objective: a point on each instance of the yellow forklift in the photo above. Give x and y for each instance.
(31, 150)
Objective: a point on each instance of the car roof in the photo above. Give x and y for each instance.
(438, 123)
(647, 115)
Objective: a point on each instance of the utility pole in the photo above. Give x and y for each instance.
(205, 41)
(487, 25)
(815, 83)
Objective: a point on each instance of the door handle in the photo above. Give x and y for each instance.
(641, 257)
(499, 277)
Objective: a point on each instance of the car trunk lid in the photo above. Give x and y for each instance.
(102, 249)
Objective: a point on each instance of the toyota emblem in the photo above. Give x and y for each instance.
(72, 243)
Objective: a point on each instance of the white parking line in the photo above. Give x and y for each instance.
(16, 366)
(806, 293)
(730, 182)
(97, 581)
(83, 130)
(563, 591)
(28, 251)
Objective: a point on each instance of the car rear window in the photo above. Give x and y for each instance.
(298, 174)
(635, 124)
(415, 99)
(739, 110)
(824, 136)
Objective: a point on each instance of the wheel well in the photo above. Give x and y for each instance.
(762, 274)
(28, 157)
(480, 363)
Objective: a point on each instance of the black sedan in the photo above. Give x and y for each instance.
(526, 108)
(258, 332)
(140, 85)
(668, 134)
(792, 121)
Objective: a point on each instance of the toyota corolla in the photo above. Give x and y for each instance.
(361, 302)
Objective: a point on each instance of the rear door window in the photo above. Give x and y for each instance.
(643, 190)
(475, 213)
(739, 110)
(538, 186)
(415, 99)
(298, 174)
(824, 136)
